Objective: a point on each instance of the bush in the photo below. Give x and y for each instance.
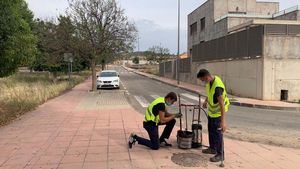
(136, 60)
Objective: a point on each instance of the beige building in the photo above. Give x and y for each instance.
(214, 18)
(253, 46)
(271, 66)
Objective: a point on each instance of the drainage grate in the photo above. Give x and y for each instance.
(189, 160)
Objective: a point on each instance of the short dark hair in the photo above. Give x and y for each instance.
(172, 96)
(203, 73)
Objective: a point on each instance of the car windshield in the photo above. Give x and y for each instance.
(108, 74)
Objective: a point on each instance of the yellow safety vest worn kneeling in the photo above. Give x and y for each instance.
(149, 116)
(214, 110)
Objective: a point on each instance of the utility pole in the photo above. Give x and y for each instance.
(138, 52)
(138, 43)
(178, 45)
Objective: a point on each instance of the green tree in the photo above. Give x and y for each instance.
(56, 39)
(157, 54)
(17, 42)
(49, 55)
(103, 27)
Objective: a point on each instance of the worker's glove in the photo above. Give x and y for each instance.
(178, 115)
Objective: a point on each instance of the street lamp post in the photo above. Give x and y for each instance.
(71, 67)
(178, 45)
(68, 58)
(138, 52)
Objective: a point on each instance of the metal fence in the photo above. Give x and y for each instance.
(185, 65)
(168, 67)
(174, 68)
(240, 45)
(162, 69)
(244, 44)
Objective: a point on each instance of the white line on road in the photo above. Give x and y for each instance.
(184, 101)
(123, 85)
(143, 102)
(154, 96)
(181, 99)
(191, 97)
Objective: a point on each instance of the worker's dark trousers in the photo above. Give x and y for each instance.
(152, 130)
(215, 136)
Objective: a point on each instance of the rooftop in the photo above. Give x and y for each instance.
(263, 22)
(259, 16)
(286, 11)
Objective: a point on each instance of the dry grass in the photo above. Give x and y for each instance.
(151, 69)
(25, 91)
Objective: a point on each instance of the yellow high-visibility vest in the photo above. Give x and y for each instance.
(214, 110)
(149, 116)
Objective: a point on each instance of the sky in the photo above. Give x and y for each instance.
(156, 20)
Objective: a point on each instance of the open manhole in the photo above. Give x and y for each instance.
(189, 160)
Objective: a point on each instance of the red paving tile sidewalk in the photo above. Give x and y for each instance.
(248, 102)
(89, 130)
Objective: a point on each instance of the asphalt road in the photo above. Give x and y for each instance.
(276, 127)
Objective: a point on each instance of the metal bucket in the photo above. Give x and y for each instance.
(184, 139)
(197, 137)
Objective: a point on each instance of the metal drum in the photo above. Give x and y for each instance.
(184, 139)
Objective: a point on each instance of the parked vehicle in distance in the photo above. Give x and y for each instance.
(108, 79)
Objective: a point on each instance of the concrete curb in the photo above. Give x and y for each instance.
(236, 103)
(265, 106)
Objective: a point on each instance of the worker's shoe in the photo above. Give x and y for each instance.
(216, 158)
(209, 151)
(165, 143)
(132, 140)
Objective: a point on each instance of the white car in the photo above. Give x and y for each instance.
(108, 79)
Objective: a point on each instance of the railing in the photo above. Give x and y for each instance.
(244, 16)
(289, 10)
(246, 44)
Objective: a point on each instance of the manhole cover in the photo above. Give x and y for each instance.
(189, 160)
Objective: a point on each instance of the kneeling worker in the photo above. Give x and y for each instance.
(156, 114)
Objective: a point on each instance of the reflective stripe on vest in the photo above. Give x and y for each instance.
(214, 110)
(149, 116)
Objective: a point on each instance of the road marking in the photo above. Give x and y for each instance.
(143, 102)
(181, 99)
(154, 96)
(123, 85)
(185, 101)
(191, 97)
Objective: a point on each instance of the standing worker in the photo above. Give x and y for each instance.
(157, 114)
(218, 104)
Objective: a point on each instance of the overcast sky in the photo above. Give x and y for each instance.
(156, 20)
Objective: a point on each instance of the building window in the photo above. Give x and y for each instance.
(193, 29)
(191, 52)
(202, 21)
(237, 12)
